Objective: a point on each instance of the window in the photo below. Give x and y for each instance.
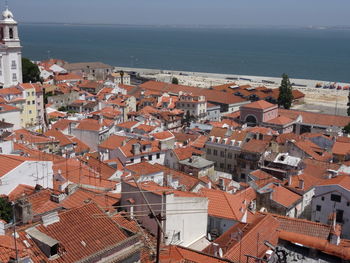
(13, 64)
(33, 102)
(222, 154)
(322, 198)
(243, 165)
(14, 77)
(11, 33)
(243, 176)
(28, 102)
(215, 152)
(339, 216)
(208, 151)
(335, 198)
(131, 160)
(32, 93)
(229, 167)
(38, 103)
(221, 165)
(28, 94)
(318, 208)
(177, 237)
(158, 155)
(348, 204)
(229, 155)
(150, 157)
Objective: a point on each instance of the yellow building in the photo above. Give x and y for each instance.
(32, 112)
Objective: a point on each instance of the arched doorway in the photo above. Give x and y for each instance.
(251, 120)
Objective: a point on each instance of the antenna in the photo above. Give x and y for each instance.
(6, 4)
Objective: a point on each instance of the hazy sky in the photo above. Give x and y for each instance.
(193, 12)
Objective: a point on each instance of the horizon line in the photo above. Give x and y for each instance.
(190, 25)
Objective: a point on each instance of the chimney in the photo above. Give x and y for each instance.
(23, 211)
(301, 184)
(2, 227)
(50, 219)
(70, 189)
(136, 149)
(290, 180)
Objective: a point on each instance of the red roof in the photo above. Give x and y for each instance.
(186, 152)
(6, 108)
(163, 135)
(260, 104)
(128, 124)
(62, 124)
(177, 254)
(89, 125)
(113, 142)
(316, 118)
(341, 180)
(10, 162)
(229, 206)
(283, 196)
(82, 232)
(281, 120)
(210, 95)
(21, 190)
(341, 148)
(68, 77)
(59, 136)
(83, 196)
(243, 239)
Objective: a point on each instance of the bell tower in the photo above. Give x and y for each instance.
(10, 51)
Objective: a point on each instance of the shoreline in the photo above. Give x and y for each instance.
(330, 101)
(227, 78)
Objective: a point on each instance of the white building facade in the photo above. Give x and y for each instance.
(26, 172)
(10, 51)
(332, 199)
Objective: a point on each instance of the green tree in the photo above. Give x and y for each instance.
(30, 71)
(346, 129)
(348, 104)
(5, 209)
(285, 97)
(121, 76)
(175, 80)
(187, 118)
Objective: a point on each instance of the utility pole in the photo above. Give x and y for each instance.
(160, 218)
(14, 230)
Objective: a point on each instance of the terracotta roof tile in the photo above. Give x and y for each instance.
(316, 118)
(186, 152)
(85, 225)
(260, 104)
(176, 254)
(113, 142)
(165, 135)
(229, 206)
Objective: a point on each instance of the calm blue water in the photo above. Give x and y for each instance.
(302, 53)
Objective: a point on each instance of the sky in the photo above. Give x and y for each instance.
(185, 12)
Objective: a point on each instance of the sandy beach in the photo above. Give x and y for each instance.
(331, 101)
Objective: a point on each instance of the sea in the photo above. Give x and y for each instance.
(306, 53)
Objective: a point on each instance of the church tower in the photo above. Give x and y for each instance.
(10, 51)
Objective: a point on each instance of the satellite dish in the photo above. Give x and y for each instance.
(209, 236)
(220, 252)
